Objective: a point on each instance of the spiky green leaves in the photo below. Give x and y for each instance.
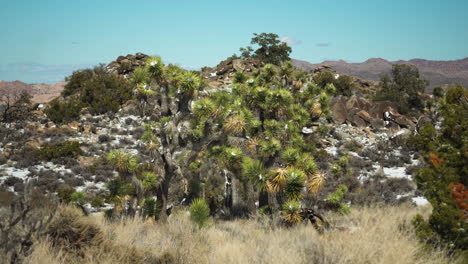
(254, 171)
(235, 124)
(140, 75)
(336, 200)
(149, 180)
(295, 183)
(199, 212)
(232, 157)
(290, 156)
(189, 83)
(291, 213)
(203, 108)
(125, 163)
(155, 67)
(239, 78)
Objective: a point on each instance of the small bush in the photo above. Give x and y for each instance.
(63, 111)
(78, 198)
(64, 192)
(55, 151)
(103, 138)
(199, 212)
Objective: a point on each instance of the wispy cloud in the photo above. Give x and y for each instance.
(290, 41)
(323, 44)
(31, 72)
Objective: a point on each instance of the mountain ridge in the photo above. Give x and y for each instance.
(438, 73)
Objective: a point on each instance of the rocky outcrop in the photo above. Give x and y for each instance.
(225, 70)
(125, 65)
(360, 112)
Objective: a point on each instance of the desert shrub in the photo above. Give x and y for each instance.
(78, 198)
(97, 202)
(323, 78)
(344, 85)
(55, 151)
(446, 167)
(291, 213)
(402, 87)
(335, 200)
(23, 219)
(105, 93)
(199, 212)
(63, 111)
(353, 145)
(103, 138)
(149, 207)
(64, 192)
(76, 81)
(10, 181)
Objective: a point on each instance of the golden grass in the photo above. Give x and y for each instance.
(367, 235)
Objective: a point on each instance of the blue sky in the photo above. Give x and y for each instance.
(43, 41)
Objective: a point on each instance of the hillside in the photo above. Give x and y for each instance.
(41, 92)
(437, 72)
(138, 153)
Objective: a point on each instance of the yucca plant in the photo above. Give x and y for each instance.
(149, 180)
(199, 212)
(149, 206)
(269, 148)
(315, 110)
(330, 89)
(125, 163)
(235, 124)
(277, 180)
(190, 83)
(239, 77)
(155, 68)
(291, 212)
(285, 71)
(252, 144)
(203, 108)
(315, 182)
(295, 183)
(290, 156)
(140, 75)
(307, 164)
(267, 73)
(232, 157)
(254, 171)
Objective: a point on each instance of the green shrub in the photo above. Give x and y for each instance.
(76, 81)
(105, 93)
(64, 111)
(64, 192)
(291, 212)
(335, 200)
(97, 202)
(323, 78)
(149, 207)
(54, 151)
(199, 212)
(78, 198)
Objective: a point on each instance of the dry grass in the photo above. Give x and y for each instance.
(368, 235)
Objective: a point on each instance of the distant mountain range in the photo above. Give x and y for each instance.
(436, 72)
(41, 92)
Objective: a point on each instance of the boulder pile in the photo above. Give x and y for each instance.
(125, 65)
(225, 70)
(360, 112)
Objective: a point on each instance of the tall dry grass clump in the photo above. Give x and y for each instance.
(368, 235)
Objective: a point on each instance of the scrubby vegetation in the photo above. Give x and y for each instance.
(95, 89)
(366, 236)
(160, 154)
(403, 87)
(443, 180)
